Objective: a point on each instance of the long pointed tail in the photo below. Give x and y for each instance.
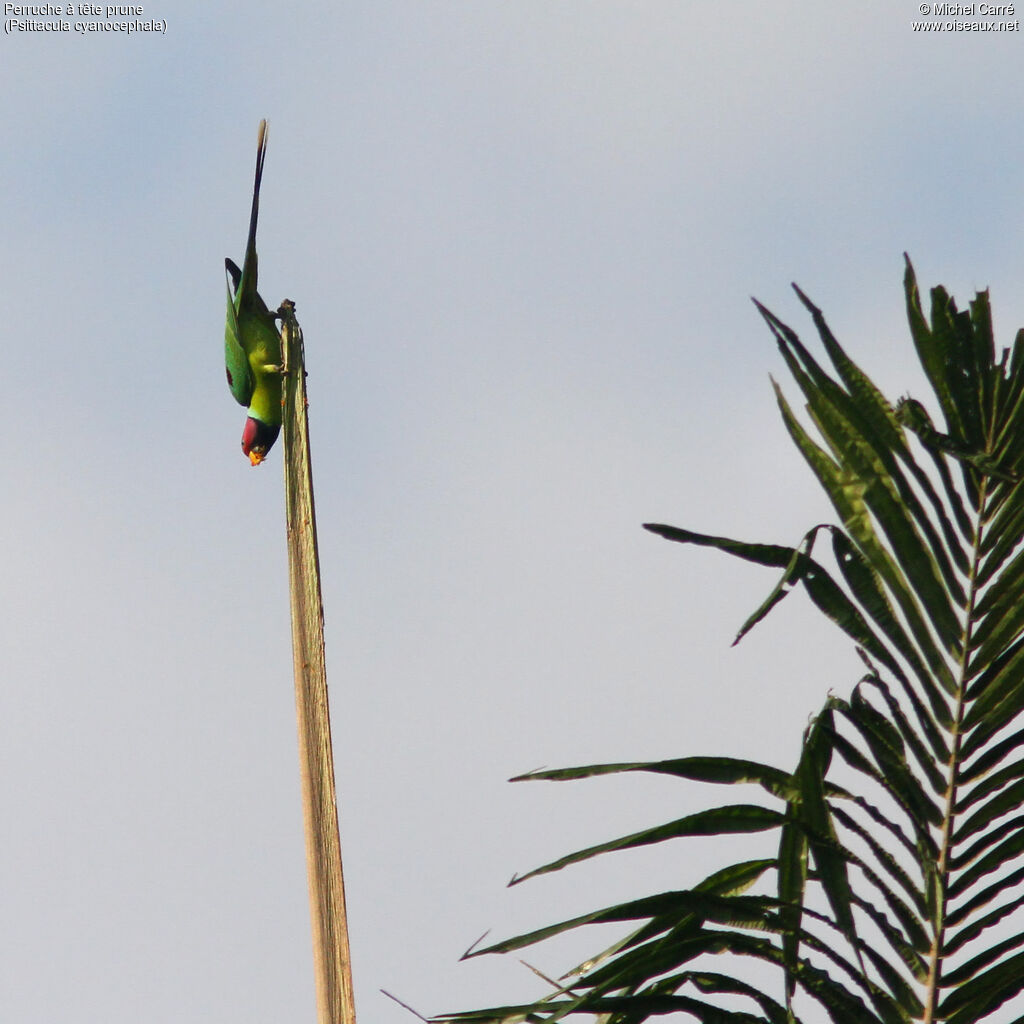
(261, 152)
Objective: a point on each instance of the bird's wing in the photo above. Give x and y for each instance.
(236, 362)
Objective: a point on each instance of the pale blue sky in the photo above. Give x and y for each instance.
(522, 238)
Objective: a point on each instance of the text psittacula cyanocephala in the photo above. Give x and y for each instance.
(252, 343)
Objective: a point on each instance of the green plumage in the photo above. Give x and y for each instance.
(252, 342)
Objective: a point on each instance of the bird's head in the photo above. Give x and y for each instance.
(257, 439)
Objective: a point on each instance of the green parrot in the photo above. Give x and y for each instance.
(252, 342)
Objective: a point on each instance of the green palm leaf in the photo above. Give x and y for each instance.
(893, 890)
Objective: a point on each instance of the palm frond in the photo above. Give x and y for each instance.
(898, 859)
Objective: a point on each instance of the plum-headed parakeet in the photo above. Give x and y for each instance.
(252, 343)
